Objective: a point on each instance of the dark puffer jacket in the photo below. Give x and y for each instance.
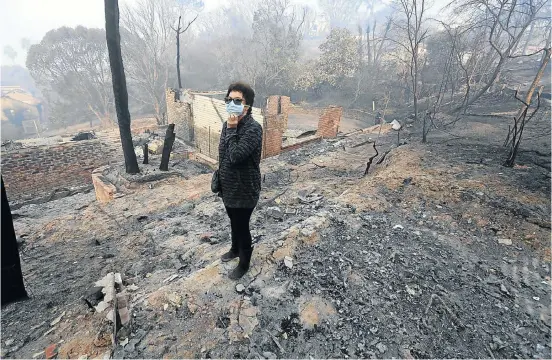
(239, 156)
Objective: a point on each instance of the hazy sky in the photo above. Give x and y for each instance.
(33, 18)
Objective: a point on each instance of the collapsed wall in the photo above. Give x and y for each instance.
(39, 171)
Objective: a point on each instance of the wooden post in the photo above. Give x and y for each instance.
(146, 160)
(167, 148)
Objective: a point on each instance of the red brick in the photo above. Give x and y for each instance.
(51, 351)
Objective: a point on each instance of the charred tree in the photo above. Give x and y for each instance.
(13, 288)
(120, 93)
(180, 31)
(167, 148)
(523, 117)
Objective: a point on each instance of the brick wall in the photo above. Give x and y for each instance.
(328, 125)
(179, 112)
(35, 172)
(277, 105)
(275, 124)
(207, 141)
(300, 144)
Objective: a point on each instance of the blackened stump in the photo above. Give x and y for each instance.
(167, 148)
(13, 288)
(146, 159)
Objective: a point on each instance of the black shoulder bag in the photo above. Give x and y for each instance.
(215, 182)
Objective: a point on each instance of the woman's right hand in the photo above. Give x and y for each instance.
(232, 121)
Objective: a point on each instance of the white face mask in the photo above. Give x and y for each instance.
(234, 109)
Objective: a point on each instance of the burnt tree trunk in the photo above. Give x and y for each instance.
(368, 48)
(180, 31)
(146, 159)
(178, 54)
(167, 148)
(120, 93)
(13, 288)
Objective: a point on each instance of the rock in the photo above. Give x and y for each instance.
(504, 289)
(381, 348)
(269, 355)
(398, 226)
(192, 306)
(208, 238)
(187, 207)
(38, 355)
(155, 147)
(505, 241)
(175, 299)
(132, 287)
(288, 261)
(9, 342)
(240, 288)
(165, 307)
(275, 212)
(85, 357)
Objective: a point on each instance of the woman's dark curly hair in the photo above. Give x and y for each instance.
(246, 90)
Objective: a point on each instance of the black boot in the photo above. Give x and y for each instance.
(243, 265)
(233, 252)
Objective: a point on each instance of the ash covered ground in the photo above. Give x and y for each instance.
(439, 251)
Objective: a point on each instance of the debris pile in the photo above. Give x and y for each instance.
(109, 297)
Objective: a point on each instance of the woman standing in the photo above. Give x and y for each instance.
(239, 172)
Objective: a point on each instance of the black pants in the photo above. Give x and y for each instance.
(239, 222)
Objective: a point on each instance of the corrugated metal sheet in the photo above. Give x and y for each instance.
(210, 112)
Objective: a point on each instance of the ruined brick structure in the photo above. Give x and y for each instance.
(199, 118)
(35, 171)
(328, 125)
(275, 124)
